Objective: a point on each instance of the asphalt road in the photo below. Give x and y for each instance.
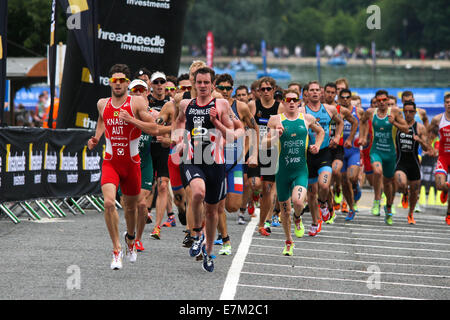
(68, 259)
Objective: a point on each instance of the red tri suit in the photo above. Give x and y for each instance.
(443, 163)
(122, 162)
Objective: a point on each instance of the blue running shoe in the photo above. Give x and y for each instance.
(357, 192)
(208, 261)
(350, 216)
(196, 248)
(219, 240)
(275, 221)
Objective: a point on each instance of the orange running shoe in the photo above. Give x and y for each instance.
(411, 219)
(344, 207)
(139, 246)
(262, 231)
(444, 195)
(405, 201)
(336, 207)
(251, 209)
(156, 233)
(447, 219)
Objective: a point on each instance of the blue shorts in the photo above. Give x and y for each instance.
(352, 157)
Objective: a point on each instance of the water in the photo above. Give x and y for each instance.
(358, 76)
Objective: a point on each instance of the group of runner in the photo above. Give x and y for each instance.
(292, 151)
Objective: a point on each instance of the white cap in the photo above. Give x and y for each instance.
(158, 75)
(137, 82)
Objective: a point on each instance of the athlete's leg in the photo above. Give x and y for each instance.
(312, 202)
(401, 182)
(377, 181)
(414, 189)
(198, 190)
(266, 205)
(211, 220)
(161, 200)
(142, 212)
(285, 207)
(111, 215)
(130, 214)
(441, 182)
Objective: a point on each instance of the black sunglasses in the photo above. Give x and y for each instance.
(159, 81)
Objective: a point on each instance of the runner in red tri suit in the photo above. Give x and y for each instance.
(121, 118)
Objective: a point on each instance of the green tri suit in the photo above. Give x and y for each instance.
(383, 148)
(292, 170)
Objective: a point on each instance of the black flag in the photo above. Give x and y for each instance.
(52, 63)
(134, 32)
(3, 29)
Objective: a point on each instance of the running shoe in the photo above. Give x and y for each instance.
(356, 191)
(218, 241)
(241, 220)
(319, 226)
(325, 213)
(139, 246)
(156, 233)
(405, 201)
(116, 263)
(388, 216)
(336, 207)
(376, 208)
(355, 207)
(299, 229)
(196, 248)
(338, 196)
(267, 226)
(130, 250)
(262, 231)
(288, 248)
(350, 216)
(182, 217)
(344, 207)
(417, 208)
(275, 221)
(447, 219)
(331, 220)
(383, 199)
(149, 218)
(393, 210)
(208, 261)
(255, 199)
(170, 222)
(411, 220)
(225, 250)
(313, 230)
(251, 209)
(444, 195)
(188, 240)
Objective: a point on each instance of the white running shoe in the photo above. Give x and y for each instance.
(326, 215)
(130, 252)
(116, 263)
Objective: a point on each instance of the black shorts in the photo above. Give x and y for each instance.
(160, 156)
(410, 168)
(337, 153)
(214, 177)
(318, 162)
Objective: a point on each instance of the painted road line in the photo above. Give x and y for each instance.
(232, 280)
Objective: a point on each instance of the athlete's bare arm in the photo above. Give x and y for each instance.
(335, 116)
(166, 117)
(223, 118)
(178, 126)
(434, 126)
(274, 131)
(364, 126)
(423, 115)
(347, 115)
(142, 118)
(422, 137)
(252, 131)
(312, 124)
(397, 120)
(100, 129)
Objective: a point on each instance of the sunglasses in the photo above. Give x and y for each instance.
(382, 99)
(267, 89)
(138, 89)
(171, 88)
(185, 88)
(227, 88)
(289, 100)
(121, 80)
(345, 97)
(162, 81)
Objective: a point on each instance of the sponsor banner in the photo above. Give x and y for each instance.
(138, 33)
(430, 99)
(42, 163)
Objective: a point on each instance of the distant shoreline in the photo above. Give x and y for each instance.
(311, 61)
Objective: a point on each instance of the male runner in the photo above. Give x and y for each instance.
(442, 122)
(121, 118)
(291, 128)
(408, 166)
(319, 165)
(202, 120)
(382, 153)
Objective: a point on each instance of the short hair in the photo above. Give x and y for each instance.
(447, 96)
(342, 80)
(393, 98)
(381, 92)
(184, 76)
(255, 85)
(409, 103)
(172, 79)
(407, 94)
(120, 68)
(141, 72)
(345, 91)
(355, 98)
(205, 70)
(313, 82)
(224, 77)
(242, 87)
(270, 80)
(298, 84)
(305, 87)
(291, 91)
(197, 64)
(330, 85)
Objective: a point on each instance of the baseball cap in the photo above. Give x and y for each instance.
(137, 82)
(158, 75)
(142, 71)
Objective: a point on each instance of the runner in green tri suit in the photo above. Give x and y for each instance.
(290, 127)
(385, 122)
